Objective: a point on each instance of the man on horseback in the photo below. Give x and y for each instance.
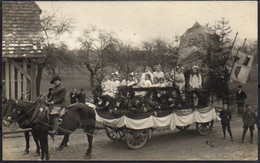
(57, 100)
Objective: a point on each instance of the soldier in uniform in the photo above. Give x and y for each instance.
(249, 120)
(57, 100)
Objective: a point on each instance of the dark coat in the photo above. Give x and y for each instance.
(58, 96)
(249, 118)
(73, 97)
(82, 97)
(225, 116)
(240, 98)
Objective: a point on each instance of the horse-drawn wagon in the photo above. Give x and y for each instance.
(135, 127)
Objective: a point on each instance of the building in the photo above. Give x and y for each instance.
(195, 42)
(21, 48)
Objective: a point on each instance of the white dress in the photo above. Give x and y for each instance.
(143, 76)
(195, 81)
(158, 75)
(115, 84)
(107, 88)
(143, 84)
(180, 80)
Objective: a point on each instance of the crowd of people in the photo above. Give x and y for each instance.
(109, 91)
(77, 97)
(148, 79)
(245, 111)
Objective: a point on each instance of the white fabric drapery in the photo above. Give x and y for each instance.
(172, 120)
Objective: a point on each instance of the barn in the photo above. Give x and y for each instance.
(21, 48)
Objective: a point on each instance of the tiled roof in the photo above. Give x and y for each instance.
(21, 30)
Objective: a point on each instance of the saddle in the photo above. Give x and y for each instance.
(39, 112)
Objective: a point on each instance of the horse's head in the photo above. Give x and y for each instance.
(12, 111)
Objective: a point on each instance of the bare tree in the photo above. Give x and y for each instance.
(96, 52)
(52, 27)
(159, 51)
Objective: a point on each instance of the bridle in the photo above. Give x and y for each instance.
(22, 116)
(40, 99)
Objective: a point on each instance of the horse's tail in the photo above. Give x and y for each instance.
(88, 117)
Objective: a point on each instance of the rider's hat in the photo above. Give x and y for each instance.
(55, 78)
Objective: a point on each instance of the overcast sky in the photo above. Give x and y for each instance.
(134, 22)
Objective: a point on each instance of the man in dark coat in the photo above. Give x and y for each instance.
(225, 116)
(249, 120)
(73, 96)
(57, 100)
(240, 100)
(82, 96)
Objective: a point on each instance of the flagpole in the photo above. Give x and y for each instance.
(231, 49)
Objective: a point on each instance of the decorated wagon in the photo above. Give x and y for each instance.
(135, 127)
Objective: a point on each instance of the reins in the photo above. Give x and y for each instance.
(15, 120)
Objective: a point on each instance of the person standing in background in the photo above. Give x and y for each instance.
(240, 100)
(249, 120)
(81, 96)
(73, 96)
(225, 116)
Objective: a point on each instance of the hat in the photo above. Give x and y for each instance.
(115, 73)
(54, 79)
(131, 74)
(195, 67)
(179, 67)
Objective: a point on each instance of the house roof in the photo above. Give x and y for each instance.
(21, 30)
(198, 38)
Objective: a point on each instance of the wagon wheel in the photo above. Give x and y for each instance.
(136, 139)
(114, 134)
(182, 128)
(204, 128)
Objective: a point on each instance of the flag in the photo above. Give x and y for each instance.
(242, 67)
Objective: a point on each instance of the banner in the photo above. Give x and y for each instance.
(242, 67)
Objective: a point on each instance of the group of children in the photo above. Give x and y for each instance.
(149, 79)
(145, 80)
(249, 120)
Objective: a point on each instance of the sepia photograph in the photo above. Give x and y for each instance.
(129, 80)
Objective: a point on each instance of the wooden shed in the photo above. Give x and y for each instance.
(21, 48)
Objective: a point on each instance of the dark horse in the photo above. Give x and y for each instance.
(37, 113)
(23, 125)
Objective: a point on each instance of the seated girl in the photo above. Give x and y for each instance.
(144, 84)
(148, 71)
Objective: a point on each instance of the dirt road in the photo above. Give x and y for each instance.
(164, 145)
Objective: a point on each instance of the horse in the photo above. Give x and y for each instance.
(26, 134)
(77, 114)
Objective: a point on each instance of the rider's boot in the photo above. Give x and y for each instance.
(55, 125)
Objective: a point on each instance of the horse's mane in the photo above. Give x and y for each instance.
(25, 104)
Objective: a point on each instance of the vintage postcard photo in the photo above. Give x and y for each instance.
(136, 80)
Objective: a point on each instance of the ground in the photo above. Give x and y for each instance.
(163, 145)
